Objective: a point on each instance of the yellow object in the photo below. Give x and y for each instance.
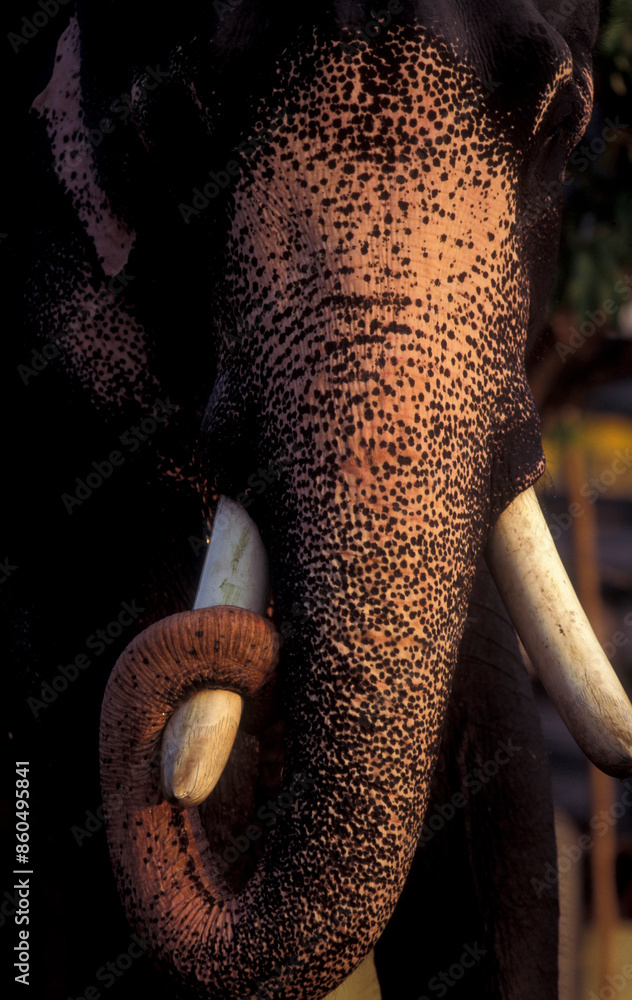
(618, 984)
(606, 441)
(360, 985)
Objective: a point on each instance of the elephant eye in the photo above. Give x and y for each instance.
(565, 118)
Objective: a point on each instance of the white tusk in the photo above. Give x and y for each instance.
(196, 745)
(556, 634)
(235, 570)
(200, 734)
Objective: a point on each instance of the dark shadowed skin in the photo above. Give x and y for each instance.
(381, 261)
(457, 893)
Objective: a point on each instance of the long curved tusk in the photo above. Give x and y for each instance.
(556, 634)
(200, 734)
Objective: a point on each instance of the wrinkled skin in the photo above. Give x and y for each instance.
(378, 266)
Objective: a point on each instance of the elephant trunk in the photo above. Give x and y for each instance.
(363, 719)
(364, 687)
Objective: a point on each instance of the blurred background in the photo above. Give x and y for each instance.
(581, 376)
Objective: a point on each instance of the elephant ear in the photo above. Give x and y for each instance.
(60, 106)
(79, 283)
(108, 307)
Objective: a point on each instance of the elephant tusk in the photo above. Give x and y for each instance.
(200, 734)
(196, 745)
(235, 569)
(557, 635)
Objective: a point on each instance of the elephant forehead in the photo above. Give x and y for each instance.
(370, 139)
(388, 192)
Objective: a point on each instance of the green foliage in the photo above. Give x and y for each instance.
(615, 46)
(596, 246)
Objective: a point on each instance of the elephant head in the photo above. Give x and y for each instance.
(388, 253)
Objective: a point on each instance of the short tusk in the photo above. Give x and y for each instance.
(200, 734)
(556, 634)
(196, 745)
(235, 569)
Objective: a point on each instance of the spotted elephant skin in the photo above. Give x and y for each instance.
(351, 295)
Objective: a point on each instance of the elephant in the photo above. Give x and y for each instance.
(350, 217)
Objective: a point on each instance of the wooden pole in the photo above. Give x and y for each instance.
(603, 788)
